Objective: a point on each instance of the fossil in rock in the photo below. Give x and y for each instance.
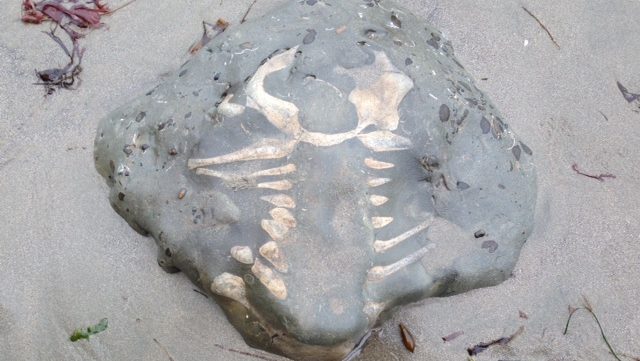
(316, 167)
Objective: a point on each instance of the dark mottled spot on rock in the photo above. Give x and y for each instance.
(485, 125)
(480, 234)
(462, 186)
(395, 20)
(444, 113)
(526, 149)
(472, 101)
(464, 116)
(457, 63)
(397, 42)
(112, 166)
(196, 93)
(362, 43)
(182, 73)
(429, 163)
(121, 196)
(491, 246)
(150, 92)
(501, 186)
(494, 131)
(408, 61)
(140, 116)
(144, 147)
(434, 43)
(173, 151)
(498, 128)
(311, 2)
(249, 279)
(516, 152)
(187, 116)
(167, 252)
(246, 45)
(370, 33)
(127, 149)
(310, 37)
(216, 76)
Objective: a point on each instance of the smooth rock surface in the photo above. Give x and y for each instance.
(318, 166)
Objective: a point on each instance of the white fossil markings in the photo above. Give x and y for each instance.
(376, 105)
(230, 286)
(380, 88)
(383, 246)
(378, 200)
(280, 200)
(272, 253)
(377, 182)
(274, 229)
(283, 216)
(380, 222)
(230, 109)
(270, 280)
(242, 254)
(230, 177)
(283, 185)
(379, 273)
(377, 165)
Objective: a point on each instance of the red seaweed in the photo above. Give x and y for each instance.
(75, 17)
(600, 177)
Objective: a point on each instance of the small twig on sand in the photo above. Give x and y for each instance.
(200, 292)
(244, 18)
(542, 26)
(216, 29)
(603, 115)
(120, 7)
(357, 350)
(452, 336)
(483, 346)
(601, 177)
(164, 349)
(260, 357)
(587, 306)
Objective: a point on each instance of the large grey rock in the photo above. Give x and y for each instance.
(316, 167)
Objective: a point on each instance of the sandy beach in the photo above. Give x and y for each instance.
(68, 260)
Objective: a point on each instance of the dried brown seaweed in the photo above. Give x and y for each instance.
(483, 346)
(600, 177)
(407, 338)
(209, 31)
